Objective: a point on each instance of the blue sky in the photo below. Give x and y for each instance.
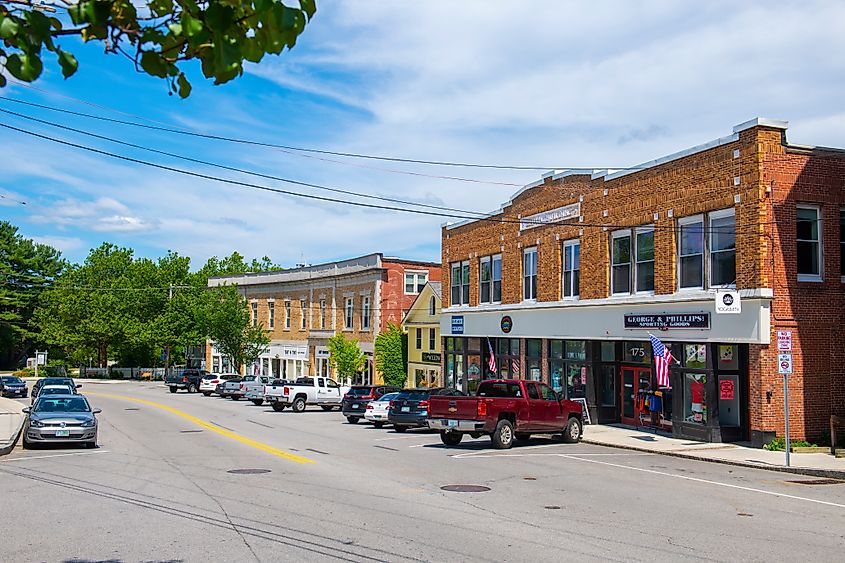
(558, 84)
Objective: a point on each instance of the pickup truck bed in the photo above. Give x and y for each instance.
(506, 410)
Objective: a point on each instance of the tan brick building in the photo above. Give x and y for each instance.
(567, 280)
(304, 307)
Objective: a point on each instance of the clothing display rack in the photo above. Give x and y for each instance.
(650, 406)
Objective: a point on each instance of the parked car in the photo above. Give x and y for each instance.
(354, 404)
(253, 384)
(410, 408)
(506, 409)
(60, 418)
(12, 386)
(36, 387)
(188, 379)
(225, 388)
(376, 411)
(254, 390)
(53, 390)
(305, 391)
(209, 382)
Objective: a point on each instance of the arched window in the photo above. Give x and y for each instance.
(431, 306)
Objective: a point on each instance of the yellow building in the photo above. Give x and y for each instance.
(422, 324)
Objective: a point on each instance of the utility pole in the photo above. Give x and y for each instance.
(167, 348)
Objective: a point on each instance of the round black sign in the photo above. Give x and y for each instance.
(728, 299)
(506, 324)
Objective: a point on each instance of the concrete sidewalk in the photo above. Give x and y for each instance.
(619, 436)
(11, 421)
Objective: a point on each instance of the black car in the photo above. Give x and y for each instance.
(355, 401)
(188, 379)
(36, 388)
(12, 386)
(410, 408)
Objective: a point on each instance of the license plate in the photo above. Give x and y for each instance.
(355, 406)
(62, 433)
(406, 409)
(451, 423)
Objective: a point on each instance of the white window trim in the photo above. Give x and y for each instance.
(303, 310)
(613, 236)
(708, 243)
(287, 314)
(813, 278)
(254, 307)
(490, 258)
(568, 244)
(460, 264)
(525, 251)
(365, 312)
(418, 339)
(689, 221)
(414, 273)
(634, 265)
(322, 314)
(346, 316)
(271, 314)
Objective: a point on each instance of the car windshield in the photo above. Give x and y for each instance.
(62, 404)
(359, 391)
(57, 381)
(56, 390)
(415, 395)
(386, 398)
(11, 379)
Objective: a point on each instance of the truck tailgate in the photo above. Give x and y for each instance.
(456, 408)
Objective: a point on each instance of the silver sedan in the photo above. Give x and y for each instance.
(60, 419)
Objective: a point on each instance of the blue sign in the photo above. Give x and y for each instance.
(457, 324)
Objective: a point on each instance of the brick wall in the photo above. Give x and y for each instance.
(394, 301)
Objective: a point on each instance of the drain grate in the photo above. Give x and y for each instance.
(817, 482)
(552, 507)
(248, 471)
(465, 488)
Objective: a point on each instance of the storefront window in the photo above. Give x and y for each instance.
(637, 352)
(576, 350)
(608, 385)
(450, 371)
(473, 373)
(556, 375)
(695, 355)
(728, 357)
(608, 351)
(576, 380)
(695, 398)
(533, 358)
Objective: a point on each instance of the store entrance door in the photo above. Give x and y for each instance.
(634, 379)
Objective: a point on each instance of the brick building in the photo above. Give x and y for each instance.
(304, 307)
(567, 280)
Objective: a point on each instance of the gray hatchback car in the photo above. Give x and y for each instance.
(60, 419)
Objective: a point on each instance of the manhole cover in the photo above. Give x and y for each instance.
(818, 482)
(552, 507)
(465, 488)
(248, 471)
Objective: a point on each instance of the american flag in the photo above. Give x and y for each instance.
(492, 362)
(662, 359)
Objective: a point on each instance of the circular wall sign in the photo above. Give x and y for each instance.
(728, 299)
(506, 324)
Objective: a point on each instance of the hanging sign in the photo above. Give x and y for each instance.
(785, 364)
(728, 302)
(785, 340)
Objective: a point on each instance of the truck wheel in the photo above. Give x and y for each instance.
(298, 404)
(522, 436)
(235, 397)
(173, 389)
(572, 432)
(192, 388)
(206, 393)
(502, 436)
(278, 407)
(327, 407)
(451, 438)
(257, 402)
(400, 429)
(352, 419)
(378, 424)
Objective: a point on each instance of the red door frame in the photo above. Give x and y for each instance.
(638, 372)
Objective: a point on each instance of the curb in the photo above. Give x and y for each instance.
(9, 446)
(826, 473)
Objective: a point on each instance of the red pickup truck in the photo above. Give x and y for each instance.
(505, 409)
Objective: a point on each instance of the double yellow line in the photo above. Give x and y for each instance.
(214, 428)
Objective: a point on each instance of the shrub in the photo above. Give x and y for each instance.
(777, 445)
(25, 372)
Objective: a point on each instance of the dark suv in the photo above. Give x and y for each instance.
(188, 379)
(355, 401)
(410, 408)
(12, 386)
(36, 387)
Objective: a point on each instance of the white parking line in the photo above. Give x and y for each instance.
(53, 455)
(427, 436)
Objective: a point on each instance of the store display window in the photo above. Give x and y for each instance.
(695, 356)
(695, 397)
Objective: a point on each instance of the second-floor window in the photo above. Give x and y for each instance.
(490, 279)
(707, 257)
(620, 262)
(691, 252)
(254, 313)
(632, 260)
(365, 313)
(722, 248)
(414, 282)
(303, 314)
(571, 268)
(271, 321)
(432, 340)
(419, 338)
(322, 313)
(808, 237)
(529, 273)
(459, 281)
(644, 254)
(432, 306)
(287, 315)
(349, 312)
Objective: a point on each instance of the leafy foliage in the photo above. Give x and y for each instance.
(158, 37)
(345, 356)
(391, 355)
(26, 268)
(230, 329)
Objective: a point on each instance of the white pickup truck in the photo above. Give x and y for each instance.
(305, 391)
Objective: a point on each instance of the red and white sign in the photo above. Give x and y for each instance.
(726, 390)
(785, 340)
(785, 364)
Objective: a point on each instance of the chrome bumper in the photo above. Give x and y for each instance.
(455, 425)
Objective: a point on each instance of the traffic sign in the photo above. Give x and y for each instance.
(784, 364)
(785, 340)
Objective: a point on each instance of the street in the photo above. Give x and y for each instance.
(167, 484)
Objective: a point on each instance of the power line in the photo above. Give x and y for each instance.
(12, 200)
(459, 215)
(170, 129)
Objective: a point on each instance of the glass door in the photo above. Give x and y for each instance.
(729, 400)
(634, 380)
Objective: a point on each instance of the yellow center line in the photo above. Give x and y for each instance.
(214, 428)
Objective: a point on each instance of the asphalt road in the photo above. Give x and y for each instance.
(159, 489)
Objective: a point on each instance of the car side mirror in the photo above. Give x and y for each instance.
(26, 410)
(97, 411)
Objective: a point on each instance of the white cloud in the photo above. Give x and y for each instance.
(64, 244)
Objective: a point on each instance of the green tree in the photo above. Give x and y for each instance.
(391, 355)
(230, 327)
(158, 38)
(26, 268)
(345, 356)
